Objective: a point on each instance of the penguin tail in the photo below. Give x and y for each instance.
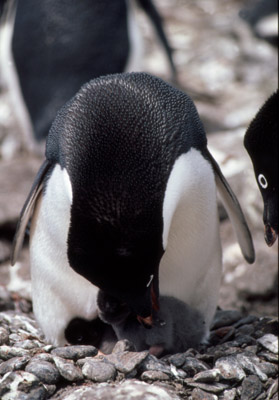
(27, 211)
(234, 211)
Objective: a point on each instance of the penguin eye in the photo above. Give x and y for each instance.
(262, 181)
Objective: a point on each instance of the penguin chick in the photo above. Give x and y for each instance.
(176, 326)
(261, 142)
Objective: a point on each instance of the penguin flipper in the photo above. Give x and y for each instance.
(27, 211)
(234, 211)
(153, 14)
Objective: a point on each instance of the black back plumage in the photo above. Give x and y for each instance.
(261, 142)
(68, 44)
(118, 139)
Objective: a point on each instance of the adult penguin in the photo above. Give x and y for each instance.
(261, 142)
(126, 202)
(49, 48)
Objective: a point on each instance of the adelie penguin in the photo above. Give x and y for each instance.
(125, 202)
(49, 48)
(261, 142)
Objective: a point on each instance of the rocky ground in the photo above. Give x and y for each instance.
(229, 73)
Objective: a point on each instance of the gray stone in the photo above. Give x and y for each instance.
(151, 363)
(268, 369)
(43, 357)
(251, 364)
(192, 366)
(67, 369)
(229, 394)
(123, 345)
(7, 352)
(269, 356)
(269, 342)
(211, 375)
(75, 352)
(126, 390)
(4, 336)
(13, 364)
(44, 370)
(199, 394)
(154, 376)
(251, 388)
(230, 369)
(22, 385)
(98, 371)
(27, 344)
(211, 388)
(177, 359)
(273, 388)
(127, 361)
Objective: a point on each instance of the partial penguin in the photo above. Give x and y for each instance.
(261, 142)
(125, 202)
(49, 48)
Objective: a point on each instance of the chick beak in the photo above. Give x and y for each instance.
(270, 235)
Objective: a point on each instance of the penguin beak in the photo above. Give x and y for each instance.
(146, 322)
(270, 235)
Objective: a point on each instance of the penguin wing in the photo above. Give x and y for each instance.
(234, 211)
(27, 210)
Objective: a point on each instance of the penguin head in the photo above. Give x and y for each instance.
(261, 142)
(118, 139)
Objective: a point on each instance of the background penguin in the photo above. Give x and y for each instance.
(126, 202)
(176, 327)
(261, 142)
(58, 45)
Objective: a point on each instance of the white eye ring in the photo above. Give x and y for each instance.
(262, 181)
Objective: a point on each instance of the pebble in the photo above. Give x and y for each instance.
(21, 385)
(199, 394)
(13, 364)
(251, 388)
(44, 370)
(212, 388)
(98, 371)
(127, 361)
(192, 366)
(75, 352)
(211, 375)
(230, 369)
(269, 342)
(154, 376)
(229, 394)
(33, 369)
(7, 352)
(4, 336)
(67, 369)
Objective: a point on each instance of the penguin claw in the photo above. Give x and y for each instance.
(270, 235)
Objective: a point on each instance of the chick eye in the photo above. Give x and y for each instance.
(262, 181)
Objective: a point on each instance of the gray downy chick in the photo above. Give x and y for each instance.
(176, 326)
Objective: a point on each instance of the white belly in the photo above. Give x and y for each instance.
(191, 267)
(58, 292)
